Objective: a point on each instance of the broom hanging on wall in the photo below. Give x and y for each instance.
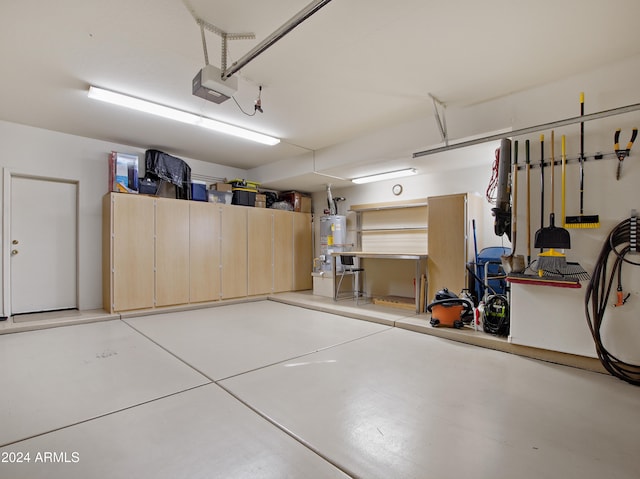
(582, 220)
(551, 238)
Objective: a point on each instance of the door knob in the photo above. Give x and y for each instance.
(14, 251)
(15, 242)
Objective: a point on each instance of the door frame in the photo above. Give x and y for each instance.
(8, 175)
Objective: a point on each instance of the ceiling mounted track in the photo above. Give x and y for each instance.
(225, 36)
(440, 121)
(296, 20)
(532, 129)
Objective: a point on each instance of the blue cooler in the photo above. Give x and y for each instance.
(491, 256)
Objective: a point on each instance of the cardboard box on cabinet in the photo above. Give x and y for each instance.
(299, 201)
(221, 187)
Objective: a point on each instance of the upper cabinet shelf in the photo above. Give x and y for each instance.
(393, 227)
(389, 205)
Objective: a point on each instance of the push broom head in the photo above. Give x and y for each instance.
(582, 221)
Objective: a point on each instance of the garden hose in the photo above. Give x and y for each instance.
(619, 245)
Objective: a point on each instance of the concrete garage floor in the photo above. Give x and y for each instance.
(267, 389)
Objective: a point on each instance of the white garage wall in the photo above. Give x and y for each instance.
(34, 151)
(543, 317)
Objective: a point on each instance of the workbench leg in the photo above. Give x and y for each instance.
(333, 271)
(417, 288)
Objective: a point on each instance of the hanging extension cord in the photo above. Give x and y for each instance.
(491, 194)
(621, 242)
(257, 107)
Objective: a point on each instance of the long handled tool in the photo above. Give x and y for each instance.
(541, 191)
(513, 263)
(573, 270)
(527, 161)
(553, 173)
(551, 237)
(582, 220)
(563, 171)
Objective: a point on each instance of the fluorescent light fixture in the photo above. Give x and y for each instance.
(385, 176)
(178, 115)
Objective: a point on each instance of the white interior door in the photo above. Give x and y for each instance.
(43, 242)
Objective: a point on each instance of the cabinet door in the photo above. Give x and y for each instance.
(282, 251)
(233, 231)
(260, 250)
(172, 252)
(302, 251)
(447, 244)
(204, 252)
(132, 261)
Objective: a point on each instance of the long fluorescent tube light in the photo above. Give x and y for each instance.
(385, 176)
(178, 115)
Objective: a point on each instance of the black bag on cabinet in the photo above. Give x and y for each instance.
(164, 167)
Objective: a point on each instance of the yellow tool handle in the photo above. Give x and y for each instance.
(616, 140)
(634, 134)
(564, 176)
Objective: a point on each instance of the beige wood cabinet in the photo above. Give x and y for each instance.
(204, 252)
(172, 252)
(128, 252)
(233, 260)
(302, 252)
(279, 251)
(449, 243)
(160, 252)
(260, 250)
(283, 251)
(271, 250)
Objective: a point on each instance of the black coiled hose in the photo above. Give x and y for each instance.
(621, 241)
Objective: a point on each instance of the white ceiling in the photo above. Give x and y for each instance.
(350, 69)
